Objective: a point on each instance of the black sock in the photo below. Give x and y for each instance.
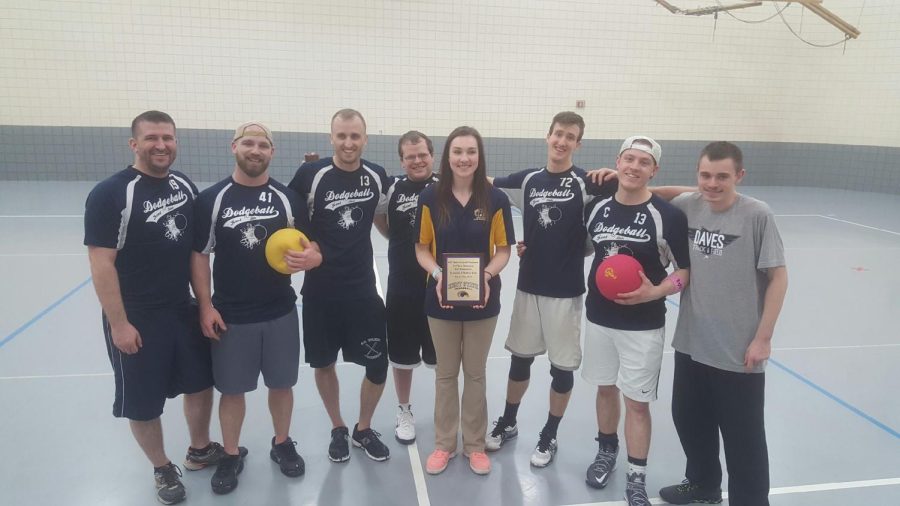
(637, 462)
(509, 414)
(162, 467)
(608, 439)
(552, 425)
(200, 450)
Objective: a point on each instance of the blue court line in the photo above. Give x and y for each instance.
(836, 399)
(43, 313)
(853, 409)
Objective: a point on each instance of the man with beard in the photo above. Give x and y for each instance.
(251, 318)
(137, 227)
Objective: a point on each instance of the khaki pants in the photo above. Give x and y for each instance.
(467, 343)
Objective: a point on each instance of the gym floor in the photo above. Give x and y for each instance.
(832, 414)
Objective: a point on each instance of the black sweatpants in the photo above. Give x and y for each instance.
(706, 400)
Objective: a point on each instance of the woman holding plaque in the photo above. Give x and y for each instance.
(464, 235)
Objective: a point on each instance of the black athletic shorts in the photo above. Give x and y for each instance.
(174, 359)
(354, 327)
(408, 332)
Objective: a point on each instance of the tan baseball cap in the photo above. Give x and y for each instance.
(241, 131)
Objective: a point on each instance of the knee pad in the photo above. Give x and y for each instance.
(563, 381)
(377, 374)
(520, 368)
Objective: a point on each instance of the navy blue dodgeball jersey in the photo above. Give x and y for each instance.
(150, 222)
(341, 206)
(467, 230)
(405, 276)
(234, 222)
(655, 234)
(552, 206)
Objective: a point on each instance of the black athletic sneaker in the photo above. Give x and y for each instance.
(287, 458)
(368, 440)
(196, 460)
(636, 490)
(501, 433)
(225, 478)
(688, 493)
(602, 467)
(169, 489)
(339, 449)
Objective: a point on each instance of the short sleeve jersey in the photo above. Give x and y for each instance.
(654, 234)
(467, 230)
(552, 206)
(234, 222)
(730, 253)
(340, 207)
(149, 221)
(405, 276)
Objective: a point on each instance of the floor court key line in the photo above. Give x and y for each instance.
(43, 313)
(860, 225)
(799, 489)
(418, 476)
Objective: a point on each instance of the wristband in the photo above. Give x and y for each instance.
(436, 272)
(679, 284)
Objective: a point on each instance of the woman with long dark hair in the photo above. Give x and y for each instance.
(462, 213)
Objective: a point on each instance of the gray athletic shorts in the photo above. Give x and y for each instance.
(546, 325)
(246, 349)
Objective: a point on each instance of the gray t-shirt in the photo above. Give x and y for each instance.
(721, 307)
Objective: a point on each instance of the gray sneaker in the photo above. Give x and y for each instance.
(689, 493)
(169, 489)
(339, 448)
(196, 460)
(602, 467)
(501, 433)
(636, 490)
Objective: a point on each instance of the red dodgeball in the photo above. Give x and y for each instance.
(618, 274)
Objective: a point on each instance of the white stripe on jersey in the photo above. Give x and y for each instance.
(581, 185)
(376, 177)
(519, 193)
(590, 218)
(588, 239)
(126, 213)
(665, 252)
(311, 198)
(211, 243)
(288, 211)
(382, 199)
(384, 204)
(186, 185)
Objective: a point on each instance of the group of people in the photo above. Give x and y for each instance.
(150, 234)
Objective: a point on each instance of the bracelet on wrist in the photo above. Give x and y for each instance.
(679, 284)
(436, 272)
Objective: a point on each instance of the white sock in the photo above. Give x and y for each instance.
(406, 407)
(636, 469)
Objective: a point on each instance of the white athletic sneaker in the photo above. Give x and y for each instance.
(405, 431)
(501, 433)
(544, 451)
